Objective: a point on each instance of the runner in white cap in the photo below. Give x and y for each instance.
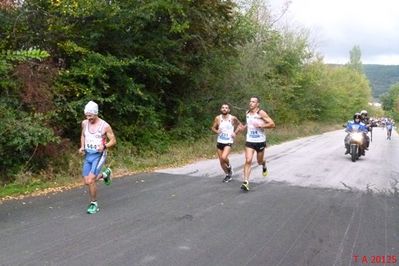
(97, 136)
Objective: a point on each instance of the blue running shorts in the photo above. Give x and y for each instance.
(93, 163)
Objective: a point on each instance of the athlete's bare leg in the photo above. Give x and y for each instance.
(249, 153)
(224, 158)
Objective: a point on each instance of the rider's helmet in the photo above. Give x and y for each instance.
(357, 116)
(363, 113)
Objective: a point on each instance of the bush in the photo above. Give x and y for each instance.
(21, 136)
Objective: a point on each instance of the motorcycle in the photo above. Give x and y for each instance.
(356, 143)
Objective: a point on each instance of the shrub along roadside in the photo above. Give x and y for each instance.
(157, 69)
(125, 160)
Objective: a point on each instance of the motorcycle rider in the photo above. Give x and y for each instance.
(366, 121)
(354, 126)
(364, 117)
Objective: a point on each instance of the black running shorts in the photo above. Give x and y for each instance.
(257, 146)
(221, 146)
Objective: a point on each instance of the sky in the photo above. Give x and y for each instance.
(336, 26)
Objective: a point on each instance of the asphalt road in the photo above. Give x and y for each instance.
(316, 207)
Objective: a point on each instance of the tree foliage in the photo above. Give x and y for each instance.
(159, 69)
(355, 61)
(22, 131)
(382, 77)
(390, 102)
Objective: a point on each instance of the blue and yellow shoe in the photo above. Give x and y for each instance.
(107, 176)
(93, 208)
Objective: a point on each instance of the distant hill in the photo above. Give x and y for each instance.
(381, 77)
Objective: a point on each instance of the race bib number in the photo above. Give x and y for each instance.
(93, 144)
(224, 136)
(254, 134)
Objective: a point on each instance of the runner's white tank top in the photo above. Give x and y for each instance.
(227, 128)
(94, 139)
(255, 134)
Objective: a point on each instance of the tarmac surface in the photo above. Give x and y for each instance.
(316, 207)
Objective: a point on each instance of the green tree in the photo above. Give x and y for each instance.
(22, 131)
(390, 102)
(348, 91)
(144, 56)
(158, 68)
(355, 61)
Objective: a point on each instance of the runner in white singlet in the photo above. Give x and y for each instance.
(257, 121)
(226, 126)
(94, 145)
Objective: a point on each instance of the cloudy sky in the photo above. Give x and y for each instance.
(337, 25)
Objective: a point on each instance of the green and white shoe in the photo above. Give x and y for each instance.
(93, 208)
(107, 176)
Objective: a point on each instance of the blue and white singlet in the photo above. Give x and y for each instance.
(255, 134)
(93, 140)
(227, 129)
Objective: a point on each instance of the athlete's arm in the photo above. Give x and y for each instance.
(269, 123)
(111, 137)
(82, 139)
(215, 126)
(238, 125)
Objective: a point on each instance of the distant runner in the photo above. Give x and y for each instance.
(389, 126)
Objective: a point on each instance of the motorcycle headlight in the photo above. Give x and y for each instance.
(357, 137)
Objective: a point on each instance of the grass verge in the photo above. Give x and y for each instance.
(124, 161)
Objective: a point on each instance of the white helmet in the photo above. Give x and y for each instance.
(363, 112)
